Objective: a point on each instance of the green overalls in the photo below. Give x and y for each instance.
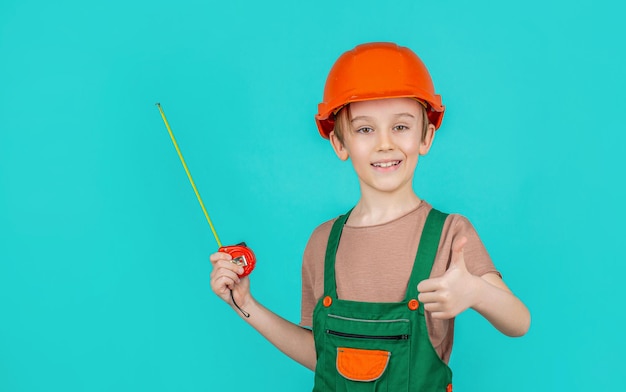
(363, 346)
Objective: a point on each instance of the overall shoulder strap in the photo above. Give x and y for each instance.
(427, 250)
(330, 285)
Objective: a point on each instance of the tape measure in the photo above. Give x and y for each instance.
(241, 254)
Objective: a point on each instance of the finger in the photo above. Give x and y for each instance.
(433, 307)
(458, 259)
(229, 275)
(222, 284)
(441, 315)
(228, 265)
(429, 285)
(226, 269)
(217, 256)
(429, 298)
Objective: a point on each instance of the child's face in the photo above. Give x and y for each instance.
(384, 143)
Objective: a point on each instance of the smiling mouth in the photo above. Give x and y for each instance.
(386, 164)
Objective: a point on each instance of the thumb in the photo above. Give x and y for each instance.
(458, 260)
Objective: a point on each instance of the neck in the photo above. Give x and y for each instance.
(379, 208)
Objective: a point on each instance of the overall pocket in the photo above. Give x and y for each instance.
(362, 365)
(369, 355)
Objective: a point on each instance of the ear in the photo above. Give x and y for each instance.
(338, 146)
(428, 140)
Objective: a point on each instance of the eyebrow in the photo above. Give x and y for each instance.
(396, 116)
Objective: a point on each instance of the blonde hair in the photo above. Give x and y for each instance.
(343, 122)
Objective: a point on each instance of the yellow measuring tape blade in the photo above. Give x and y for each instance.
(193, 185)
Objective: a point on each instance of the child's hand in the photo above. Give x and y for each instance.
(454, 292)
(225, 277)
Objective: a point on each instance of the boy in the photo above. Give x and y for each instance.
(382, 284)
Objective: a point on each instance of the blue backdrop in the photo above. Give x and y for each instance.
(104, 270)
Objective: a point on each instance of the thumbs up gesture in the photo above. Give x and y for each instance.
(454, 292)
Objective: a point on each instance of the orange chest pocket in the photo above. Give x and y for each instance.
(362, 365)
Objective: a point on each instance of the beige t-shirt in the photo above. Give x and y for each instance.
(374, 263)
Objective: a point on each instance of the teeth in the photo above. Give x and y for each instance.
(386, 164)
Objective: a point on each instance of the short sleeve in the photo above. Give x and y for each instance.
(313, 272)
(477, 258)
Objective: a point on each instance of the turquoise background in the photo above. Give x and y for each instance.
(104, 270)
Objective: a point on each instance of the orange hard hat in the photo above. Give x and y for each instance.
(375, 71)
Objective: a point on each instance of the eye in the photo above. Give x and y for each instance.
(364, 130)
(400, 128)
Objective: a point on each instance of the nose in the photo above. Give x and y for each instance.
(385, 141)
